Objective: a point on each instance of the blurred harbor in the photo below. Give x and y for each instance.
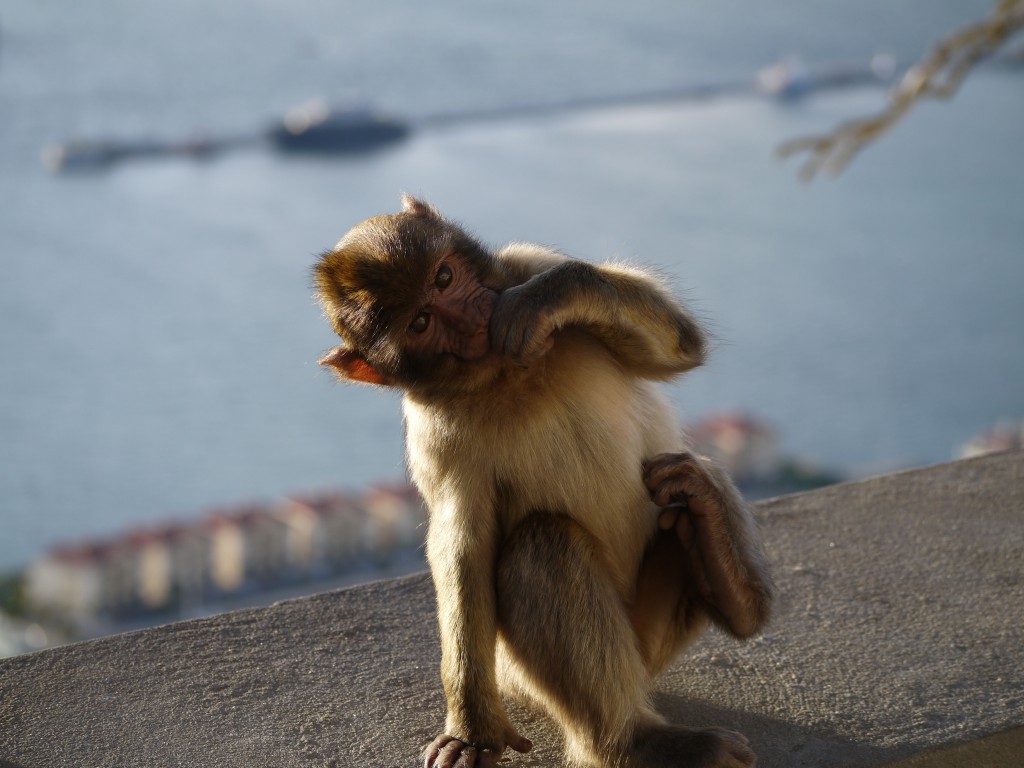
(231, 557)
(258, 553)
(319, 127)
(158, 335)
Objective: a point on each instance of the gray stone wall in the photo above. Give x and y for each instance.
(900, 629)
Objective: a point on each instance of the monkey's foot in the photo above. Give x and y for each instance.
(449, 752)
(673, 746)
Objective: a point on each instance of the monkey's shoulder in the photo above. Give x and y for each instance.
(520, 261)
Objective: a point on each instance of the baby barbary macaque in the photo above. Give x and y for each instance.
(575, 542)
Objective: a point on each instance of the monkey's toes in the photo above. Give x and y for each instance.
(733, 750)
(448, 752)
(672, 746)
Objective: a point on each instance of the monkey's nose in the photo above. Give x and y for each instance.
(469, 317)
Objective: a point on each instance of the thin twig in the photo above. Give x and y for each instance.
(938, 75)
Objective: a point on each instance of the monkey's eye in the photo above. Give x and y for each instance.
(444, 277)
(420, 323)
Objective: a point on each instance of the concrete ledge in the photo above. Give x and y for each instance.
(900, 630)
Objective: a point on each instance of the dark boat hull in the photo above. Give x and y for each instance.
(341, 132)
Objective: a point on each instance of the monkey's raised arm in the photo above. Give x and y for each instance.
(642, 325)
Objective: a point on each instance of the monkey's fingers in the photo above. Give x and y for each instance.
(442, 752)
(664, 475)
(507, 322)
(542, 345)
(519, 743)
(667, 518)
(675, 516)
(433, 750)
(449, 752)
(529, 343)
(520, 328)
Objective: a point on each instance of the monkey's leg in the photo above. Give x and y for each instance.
(567, 633)
(722, 557)
(667, 611)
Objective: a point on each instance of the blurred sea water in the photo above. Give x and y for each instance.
(157, 334)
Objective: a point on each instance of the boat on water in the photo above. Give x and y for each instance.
(317, 127)
(312, 128)
(790, 79)
(87, 155)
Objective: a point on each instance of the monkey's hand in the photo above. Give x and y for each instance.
(448, 752)
(522, 324)
(723, 557)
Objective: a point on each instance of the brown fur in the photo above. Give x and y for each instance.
(539, 463)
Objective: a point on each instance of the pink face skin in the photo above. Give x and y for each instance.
(455, 315)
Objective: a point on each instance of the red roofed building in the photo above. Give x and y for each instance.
(325, 532)
(241, 549)
(70, 581)
(1005, 436)
(743, 446)
(397, 517)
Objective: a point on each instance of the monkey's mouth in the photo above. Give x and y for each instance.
(474, 347)
(475, 344)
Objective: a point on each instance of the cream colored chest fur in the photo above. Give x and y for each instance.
(570, 441)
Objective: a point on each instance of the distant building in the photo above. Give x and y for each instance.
(191, 564)
(226, 545)
(398, 518)
(230, 551)
(265, 546)
(149, 576)
(743, 446)
(69, 582)
(328, 532)
(304, 534)
(1005, 436)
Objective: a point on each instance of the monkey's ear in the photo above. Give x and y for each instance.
(351, 365)
(418, 207)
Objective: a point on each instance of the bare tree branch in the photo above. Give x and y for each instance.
(938, 75)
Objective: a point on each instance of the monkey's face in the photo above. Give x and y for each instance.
(412, 296)
(454, 314)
